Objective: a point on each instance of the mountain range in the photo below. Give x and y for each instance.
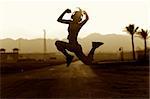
(112, 43)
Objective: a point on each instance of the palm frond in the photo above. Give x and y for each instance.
(136, 29)
(143, 33)
(131, 29)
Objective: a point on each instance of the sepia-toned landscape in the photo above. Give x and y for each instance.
(46, 75)
(108, 58)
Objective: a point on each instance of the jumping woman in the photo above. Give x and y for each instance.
(75, 24)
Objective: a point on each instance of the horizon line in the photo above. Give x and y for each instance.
(63, 38)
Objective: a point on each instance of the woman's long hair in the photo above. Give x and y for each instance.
(77, 15)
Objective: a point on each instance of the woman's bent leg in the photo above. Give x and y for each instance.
(62, 46)
(79, 53)
(94, 46)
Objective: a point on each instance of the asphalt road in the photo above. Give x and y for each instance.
(76, 81)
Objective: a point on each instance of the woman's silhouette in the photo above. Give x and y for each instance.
(75, 24)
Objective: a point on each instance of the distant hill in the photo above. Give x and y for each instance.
(112, 42)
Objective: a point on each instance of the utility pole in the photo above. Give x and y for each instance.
(44, 43)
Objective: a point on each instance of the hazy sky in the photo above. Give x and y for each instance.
(28, 18)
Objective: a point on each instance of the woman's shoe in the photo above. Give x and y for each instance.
(97, 44)
(69, 60)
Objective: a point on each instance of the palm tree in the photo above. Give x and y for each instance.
(131, 29)
(144, 35)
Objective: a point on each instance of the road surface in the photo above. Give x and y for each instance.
(77, 80)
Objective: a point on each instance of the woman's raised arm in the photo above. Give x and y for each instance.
(60, 19)
(86, 18)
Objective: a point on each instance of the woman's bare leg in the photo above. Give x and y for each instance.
(79, 53)
(77, 49)
(94, 46)
(62, 46)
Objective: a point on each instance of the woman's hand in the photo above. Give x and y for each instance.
(84, 12)
(86, 18)
(68, 11)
